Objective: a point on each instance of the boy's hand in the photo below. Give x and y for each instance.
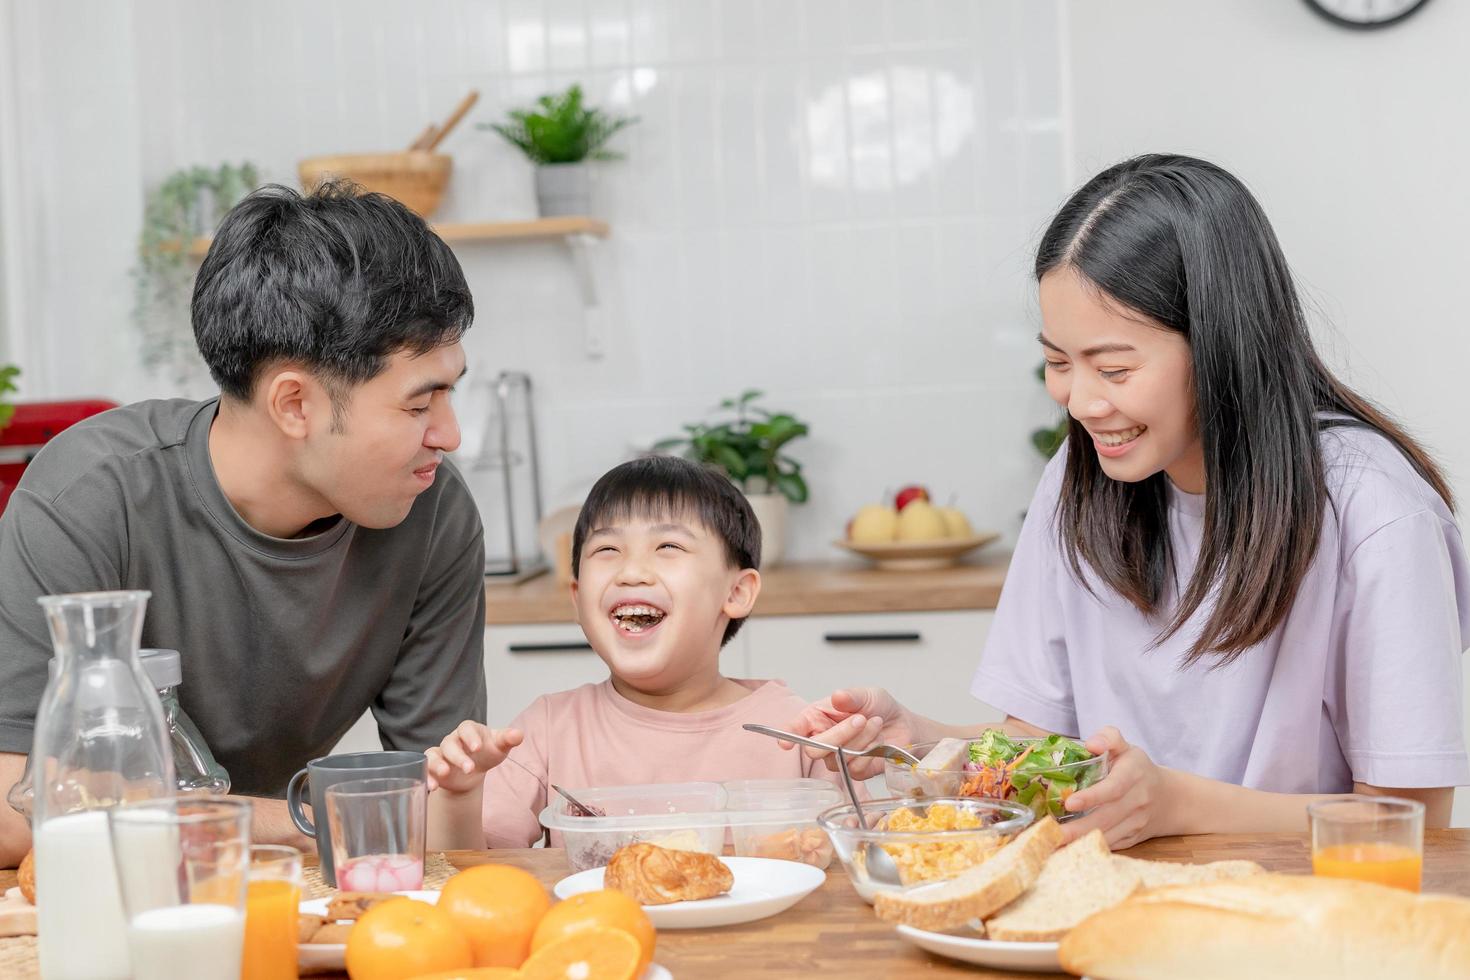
(459, 763)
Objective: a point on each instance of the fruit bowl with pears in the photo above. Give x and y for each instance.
(912, 534)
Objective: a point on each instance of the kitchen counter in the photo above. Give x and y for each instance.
(795, 589)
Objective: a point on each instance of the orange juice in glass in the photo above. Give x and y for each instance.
(1369, 838)
(272, 900)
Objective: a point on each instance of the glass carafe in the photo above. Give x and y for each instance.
(100, 740)
(195, 766)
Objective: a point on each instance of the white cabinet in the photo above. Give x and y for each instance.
(926, 659)
(523, 662)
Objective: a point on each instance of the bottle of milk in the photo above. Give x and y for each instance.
(100, 740)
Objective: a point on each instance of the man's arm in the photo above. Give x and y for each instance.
(15, 833)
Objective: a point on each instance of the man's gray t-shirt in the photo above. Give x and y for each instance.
(284, 642)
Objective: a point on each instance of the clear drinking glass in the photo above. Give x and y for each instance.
(378, 828)
(272, 901)
(100, 740)
(1369, 838)
(182, 865)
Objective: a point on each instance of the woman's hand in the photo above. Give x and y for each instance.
(1128, 804)
(854, 719)
(459, 763)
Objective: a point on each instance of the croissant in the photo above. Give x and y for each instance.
(655, 875)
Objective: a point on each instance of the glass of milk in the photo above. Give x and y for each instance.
(182, 867)
(377, 828)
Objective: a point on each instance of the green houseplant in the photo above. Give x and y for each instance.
(750, 449)
(559, 134)
(8, 374)
(186, 205)
(1048, 440)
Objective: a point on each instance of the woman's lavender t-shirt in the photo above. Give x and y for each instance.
(1360, 683)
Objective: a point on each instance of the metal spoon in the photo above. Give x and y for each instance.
(583, 810)
(876, 860)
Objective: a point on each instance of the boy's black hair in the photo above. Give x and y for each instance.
(661, 486)
(336, 279)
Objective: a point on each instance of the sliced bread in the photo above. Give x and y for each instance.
(979, 892)
(1157, 874)
(1075, 882)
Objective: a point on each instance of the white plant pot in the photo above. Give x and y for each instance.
(770, 512)
(563, 189)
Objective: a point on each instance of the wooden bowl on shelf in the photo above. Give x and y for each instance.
(416, 178)
(910, 556)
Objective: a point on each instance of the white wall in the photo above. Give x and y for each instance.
(833, 200)
(1356, 145)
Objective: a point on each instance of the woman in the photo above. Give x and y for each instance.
(1241, 576)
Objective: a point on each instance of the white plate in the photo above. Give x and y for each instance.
(1038, 957)
(333, 956)
(763, 887)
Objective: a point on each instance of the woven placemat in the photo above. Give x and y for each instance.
(18, 958)
(437, 870)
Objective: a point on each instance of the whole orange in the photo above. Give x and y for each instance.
(402, 938)
(601, 909)
(475, 973)
(498, 908)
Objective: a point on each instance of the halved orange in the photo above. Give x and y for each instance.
(598, 953)
(606, 908)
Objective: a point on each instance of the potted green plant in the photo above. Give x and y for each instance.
(8, 374)
(186, 205)
(749, 449)
(1048, 440)
(559, 135)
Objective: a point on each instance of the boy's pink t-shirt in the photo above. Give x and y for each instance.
(593, 736)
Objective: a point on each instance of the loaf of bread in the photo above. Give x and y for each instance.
(1269, 926)
(979, 892)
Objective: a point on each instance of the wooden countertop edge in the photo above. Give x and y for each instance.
(793, 590)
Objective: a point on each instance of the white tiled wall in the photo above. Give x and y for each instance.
(833, 200)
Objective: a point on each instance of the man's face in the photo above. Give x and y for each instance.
(390, 436)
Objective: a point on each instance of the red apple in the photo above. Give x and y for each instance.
(908, 495)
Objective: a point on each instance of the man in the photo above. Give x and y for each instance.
(310, 552)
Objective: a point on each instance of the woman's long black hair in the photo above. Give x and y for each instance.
(1184, 243)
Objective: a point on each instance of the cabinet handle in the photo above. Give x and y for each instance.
(872, 637)
(565, 646)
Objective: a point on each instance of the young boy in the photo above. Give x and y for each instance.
(664, 567)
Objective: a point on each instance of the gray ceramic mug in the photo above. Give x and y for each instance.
(333, 769)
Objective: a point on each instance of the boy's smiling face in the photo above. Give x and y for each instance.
(654, 594)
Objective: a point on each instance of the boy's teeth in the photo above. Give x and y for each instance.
(1119, 438)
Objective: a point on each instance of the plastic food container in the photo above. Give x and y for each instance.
(921, 854)
(1051, 785)
(763, 818)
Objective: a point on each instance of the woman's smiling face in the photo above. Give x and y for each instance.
(1125, 378)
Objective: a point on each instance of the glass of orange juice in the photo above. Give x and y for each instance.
(272, 898)
(1370, 838)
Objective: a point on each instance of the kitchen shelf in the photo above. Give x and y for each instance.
(539, 230)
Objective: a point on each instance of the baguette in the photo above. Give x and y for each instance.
(979, 892)
(1078, 880)
(1270, 926)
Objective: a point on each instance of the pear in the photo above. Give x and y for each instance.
(920, 521)
(873, 524)
(956, 524)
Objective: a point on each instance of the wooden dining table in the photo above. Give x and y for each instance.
(833, 933)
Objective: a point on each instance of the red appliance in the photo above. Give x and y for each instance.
(32, 426)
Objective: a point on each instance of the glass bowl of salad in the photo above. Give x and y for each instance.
(1039, 773)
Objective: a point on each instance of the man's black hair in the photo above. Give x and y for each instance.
(337, 280)
(670, 486)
